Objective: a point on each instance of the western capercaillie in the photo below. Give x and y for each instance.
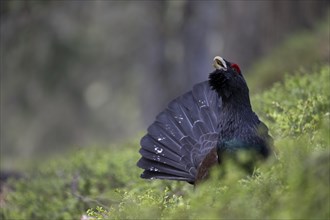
(198, 128)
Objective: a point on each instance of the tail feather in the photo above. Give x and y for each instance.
(199, 129)
(153, 146)
(188, 142)
(151, 156)
(152, 175)
(182, 135)
(189, 104)
(208, 103)
(171, 125)
(162, 168)
(207, 117)
(182, 116)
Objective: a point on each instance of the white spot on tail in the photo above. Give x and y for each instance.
(158, 150)
(179, 118)
(153, 169)
(202, 103)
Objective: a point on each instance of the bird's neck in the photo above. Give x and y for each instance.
(236, 117)
(236, 114)
(237, 103)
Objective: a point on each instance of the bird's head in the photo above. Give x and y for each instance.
(227, 79)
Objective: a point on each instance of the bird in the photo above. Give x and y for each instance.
(199, 128)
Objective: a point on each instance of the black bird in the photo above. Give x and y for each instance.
(198, 128)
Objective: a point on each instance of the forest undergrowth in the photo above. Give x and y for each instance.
(103, 183)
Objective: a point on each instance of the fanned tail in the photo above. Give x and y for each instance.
(181, 136)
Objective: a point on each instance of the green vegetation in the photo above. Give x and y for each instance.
(104, 183)
(305, 50)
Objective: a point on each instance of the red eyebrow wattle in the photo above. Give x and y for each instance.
(236, 68)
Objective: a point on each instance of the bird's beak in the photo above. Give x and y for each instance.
(219, 63)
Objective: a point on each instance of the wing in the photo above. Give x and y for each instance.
(268, 144)
(181, 136)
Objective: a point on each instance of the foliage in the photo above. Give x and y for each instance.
(296, 106)
(304, 50)
(99, 183)
(82, 71)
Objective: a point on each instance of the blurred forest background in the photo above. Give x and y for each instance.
(79, 73)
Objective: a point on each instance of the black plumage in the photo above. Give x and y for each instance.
(198, 128)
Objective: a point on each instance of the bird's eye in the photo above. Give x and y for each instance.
(236, 68)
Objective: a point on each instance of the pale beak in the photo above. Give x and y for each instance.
(219, 63)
